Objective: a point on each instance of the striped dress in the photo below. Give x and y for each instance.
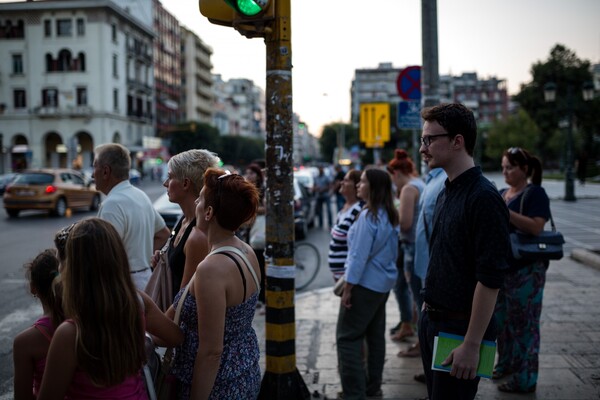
(338, 246)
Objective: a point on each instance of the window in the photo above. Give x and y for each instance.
(115, 69)
(19, 98)
(47, 28)
(80, 27)
(63, 27)
(50, 98)
(81, 96)
(116, 99)
(17, 62)
(113, 32)
(64, 60)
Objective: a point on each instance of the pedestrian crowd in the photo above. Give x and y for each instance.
(441, 244)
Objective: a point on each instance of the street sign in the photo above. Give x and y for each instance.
(409, 114)
(409, 83)
(374, 124)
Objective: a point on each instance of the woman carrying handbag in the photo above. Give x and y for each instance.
(519, 303)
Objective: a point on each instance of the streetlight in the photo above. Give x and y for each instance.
(550, 96)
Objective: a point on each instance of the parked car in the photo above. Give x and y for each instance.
(5, 180)
(54, 190)
(171, 212)
(305, 206)
(306, 177)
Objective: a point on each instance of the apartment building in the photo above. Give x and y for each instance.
(73, 74)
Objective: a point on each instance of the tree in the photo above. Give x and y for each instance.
(328, 139)
(564, 69)
(518, 130)
(193, 135)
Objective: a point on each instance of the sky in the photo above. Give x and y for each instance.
(333, 38)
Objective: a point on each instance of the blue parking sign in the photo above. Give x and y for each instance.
(409, 115)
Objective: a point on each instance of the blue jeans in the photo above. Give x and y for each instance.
(407, 292)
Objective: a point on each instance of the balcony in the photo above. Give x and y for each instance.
(58, 112)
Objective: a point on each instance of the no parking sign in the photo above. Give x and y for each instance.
(409, 83)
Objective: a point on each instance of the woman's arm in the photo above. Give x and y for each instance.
(23, 363)
(210, 284)
(61, 363)
(163, 330)
(195, 250)
(526, 224)
(409, 195)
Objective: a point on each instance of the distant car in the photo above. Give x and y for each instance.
(171, 212)
(306, 177)
(134, 176)
(304, 209)
(54, 190)
(5, 180)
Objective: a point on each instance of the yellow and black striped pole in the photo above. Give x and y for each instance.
(281, 379)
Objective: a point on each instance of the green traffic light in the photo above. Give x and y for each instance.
(248, 8)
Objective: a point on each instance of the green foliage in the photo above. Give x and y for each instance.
(569, 73)
(234, 150)
(328, 139)
(518, 130)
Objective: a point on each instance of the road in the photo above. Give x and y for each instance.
(21, 239)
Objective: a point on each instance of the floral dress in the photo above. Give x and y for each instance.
(239, 372)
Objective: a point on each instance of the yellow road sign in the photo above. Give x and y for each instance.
(374, 124)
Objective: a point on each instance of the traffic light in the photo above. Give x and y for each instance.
(250, 17)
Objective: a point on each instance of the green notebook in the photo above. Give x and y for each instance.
(446, 342)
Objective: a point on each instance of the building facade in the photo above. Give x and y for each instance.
(197, 80)
(72, 75)
(239, 108)
(488, 98)
(167, 69)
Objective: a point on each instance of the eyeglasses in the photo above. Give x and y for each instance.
(426, 140)
(220, 179)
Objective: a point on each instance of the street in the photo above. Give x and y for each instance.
(22, 238)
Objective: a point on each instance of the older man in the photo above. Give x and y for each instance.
(129, 210)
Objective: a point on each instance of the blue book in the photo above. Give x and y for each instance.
(446, 342)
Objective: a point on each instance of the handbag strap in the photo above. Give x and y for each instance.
(168, 357)
(523, 201)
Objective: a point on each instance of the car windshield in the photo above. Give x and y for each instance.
(34, 179)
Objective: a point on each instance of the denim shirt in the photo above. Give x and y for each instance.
(434, 183)
(372, 252)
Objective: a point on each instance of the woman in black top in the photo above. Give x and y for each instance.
(188, 245)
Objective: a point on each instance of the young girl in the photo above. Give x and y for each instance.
(99, 351)
(30, 347)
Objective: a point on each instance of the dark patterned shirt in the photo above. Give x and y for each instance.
(469, 242)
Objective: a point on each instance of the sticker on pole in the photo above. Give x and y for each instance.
(409, 83)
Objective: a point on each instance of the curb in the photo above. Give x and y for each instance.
(586, 257)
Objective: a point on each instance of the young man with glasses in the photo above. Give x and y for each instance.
(468, 248)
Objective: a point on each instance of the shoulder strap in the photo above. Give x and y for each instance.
(239, 267)
(42, 328)
(523, 201)
(242, 256)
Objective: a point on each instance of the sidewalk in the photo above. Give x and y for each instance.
(570, 342)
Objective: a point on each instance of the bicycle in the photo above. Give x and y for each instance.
(308, 262)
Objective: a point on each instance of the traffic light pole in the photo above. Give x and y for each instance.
(281, 379)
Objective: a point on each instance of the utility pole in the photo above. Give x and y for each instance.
(271, 20)
(282, 379)
(430, 77)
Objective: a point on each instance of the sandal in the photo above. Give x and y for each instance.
(499, 373)
(512, 387)
(413, 351)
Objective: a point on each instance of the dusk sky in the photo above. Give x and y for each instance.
(332, 38)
